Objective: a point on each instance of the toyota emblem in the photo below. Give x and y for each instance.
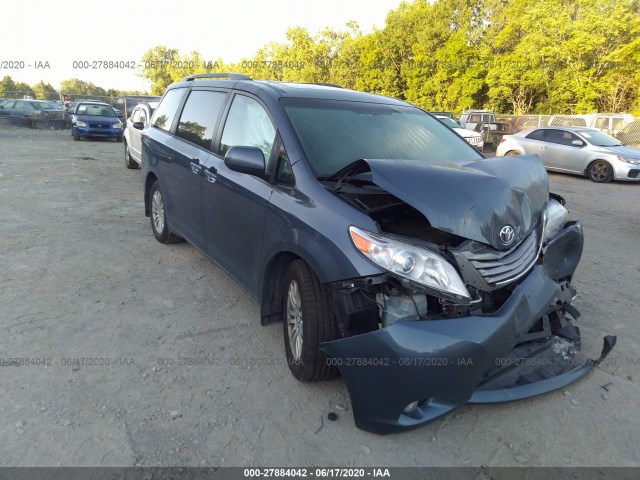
(507, 235)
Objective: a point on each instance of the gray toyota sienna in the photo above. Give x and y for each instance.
(392, 251)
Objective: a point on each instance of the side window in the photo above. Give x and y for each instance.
(617, 123)
(135, 115)
(284, 173)
(19, 104)
(199, 117)
(601, 122)
(9, 105)
(474, 118)
(248, 125)
(537, 135)
(560, 137)
(166, 111)
(143, 116)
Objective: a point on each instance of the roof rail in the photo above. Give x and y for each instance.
(230, 76)
(325, 84)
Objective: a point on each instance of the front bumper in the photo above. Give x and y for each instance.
(442, 364)
(98, 132)
(626, 172)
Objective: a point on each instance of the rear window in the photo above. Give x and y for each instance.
(536, 135)
(334, 134)
(166, 111)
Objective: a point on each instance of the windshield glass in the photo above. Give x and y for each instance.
(95, 110)
(335, 133)
(449, 122)
(599, 139)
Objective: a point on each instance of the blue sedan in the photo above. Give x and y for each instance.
(96, 120)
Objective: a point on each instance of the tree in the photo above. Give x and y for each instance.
(157, 65)
(7, 86)
(23, 89)
(44, 91)
(79, 88)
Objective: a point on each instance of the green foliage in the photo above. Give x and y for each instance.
(516, 56)
(45, 91)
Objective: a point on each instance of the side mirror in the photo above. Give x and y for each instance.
(138, 125)
(577, 143)
(249, 160)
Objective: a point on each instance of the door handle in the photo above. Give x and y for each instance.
(210, 174)
(196, 167)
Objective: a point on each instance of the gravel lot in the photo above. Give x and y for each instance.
(82, 277)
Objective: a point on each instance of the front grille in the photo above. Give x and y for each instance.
(99, 125)
(499, 268)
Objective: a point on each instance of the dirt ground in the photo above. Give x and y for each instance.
(175, 368)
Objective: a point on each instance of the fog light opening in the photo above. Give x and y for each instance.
(410, 407)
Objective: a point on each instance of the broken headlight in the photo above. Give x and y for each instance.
(409, 261)
(556, 217)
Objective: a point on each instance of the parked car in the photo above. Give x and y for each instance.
(474, 138)
(388, 247)
(95, 120)
(630, 135)
(471, 118)
(32, 109)
(139, 119)
(580, 151)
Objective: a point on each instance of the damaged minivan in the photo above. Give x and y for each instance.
(392, 251)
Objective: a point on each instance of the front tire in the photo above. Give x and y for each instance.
(158, 217)
(511, 153)
(600, 171)
(308, 320)
(128, 160)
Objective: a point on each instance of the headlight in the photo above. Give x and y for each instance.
(408, 261)
(80, 123)
(556, 217)
(117, 125)
(633, 161)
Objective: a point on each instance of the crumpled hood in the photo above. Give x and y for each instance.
(474, 200)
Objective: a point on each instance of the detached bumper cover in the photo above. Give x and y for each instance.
(442, 364)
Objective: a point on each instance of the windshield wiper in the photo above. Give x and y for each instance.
(347, 174)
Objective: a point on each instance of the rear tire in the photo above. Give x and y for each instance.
(128, 160)
(600, 171)
(308, 320)
(158, 217)
(76, 137)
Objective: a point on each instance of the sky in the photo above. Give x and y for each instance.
(54, 35)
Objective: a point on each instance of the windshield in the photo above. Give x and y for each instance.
(599, 139)
(335, 133)
(449, 122)
(95, 110)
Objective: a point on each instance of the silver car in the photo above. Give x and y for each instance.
(137, 121)
(581, 151)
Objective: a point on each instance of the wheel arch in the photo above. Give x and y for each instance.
(147, 188)
(271, 291)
